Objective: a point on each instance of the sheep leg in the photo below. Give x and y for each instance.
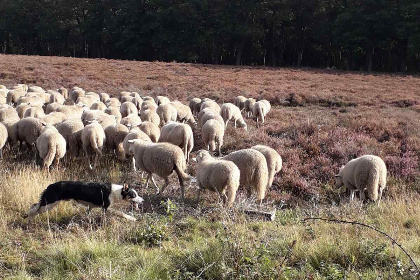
(235, 123)
(352, 194)
(198, 196)
(1, 153)
(362, 195)
(224, 198)
(134, 164)
(154, 183)
(381, 189)
(227, 121)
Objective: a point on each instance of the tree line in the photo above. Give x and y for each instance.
(368, 35)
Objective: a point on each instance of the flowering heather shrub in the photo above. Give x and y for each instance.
(405, 166)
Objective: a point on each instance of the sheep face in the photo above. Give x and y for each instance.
(338, 181)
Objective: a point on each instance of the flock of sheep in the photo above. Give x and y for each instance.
(157, 135)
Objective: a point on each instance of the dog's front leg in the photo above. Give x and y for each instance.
(121, 214)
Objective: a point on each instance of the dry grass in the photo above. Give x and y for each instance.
(320, 120)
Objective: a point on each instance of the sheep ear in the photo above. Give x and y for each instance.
(130, 141)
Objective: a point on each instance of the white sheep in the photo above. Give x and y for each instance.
(52, 107)
(210, 104)
(150, 115)
(212, 134)
(98, 106)
(148, 104)
(131, 121)
(51, 146)
(128, 108)
(248, 106)
(221, 176)
(14, 95)
(64, 92)
(115, 111)
(34, 112)
(57, 97)
(240, 102)
(160, 159)
(231, 112)
(87, 100)
(259, 111)
(71, 130)
(103, 97)
(54, 118)
(113, 102)
(21, 109)
(72, 111)
(180, 135)
(33, 100)
(195, 105)
(267, 104)
(254, 170)
(274, 161)
(208, 114)
(151, 129)
(134, 133)
(115, 135)
(75, 93)
(3, 138)
(184, 113)
(367, 172)
(28, 130)
(93, 139)
(160, 100)
(166, 113)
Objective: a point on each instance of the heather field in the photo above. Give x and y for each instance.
(319, 121)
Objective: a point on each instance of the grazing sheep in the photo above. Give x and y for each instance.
(57, 97)
(180, 135)
(259, 111)
(35, 89)
(124, 93)
(64, 92)
(184, 113)
(136, 100)
(131, 121)
(210, 104)
(72, 111)
(103, 97)
(3, 100)
(115, 111)
(240, 102)
(34, 112)
(28, 130)
(210, 115)
(93, 139)
(160, 159)
(248, 106)
(71, 130)
(254, 170)
(115, 135)
(161, 100)
(221, 176)
(21, 109)
(14, 95)
(367, 172)
(274, 161)
(195, 105)
(33, 100)
(9, 118)
(267, 104)
(91, 115)
(3, 138)
(54, 118)
(128, 108)
(87, 100)
(150, 115)
(8, 113)
(51, 146)
(166, 113)
(135, 133)
(148, 104)
(98, 106)
(151, 129)
(113, 102)
(212, 133)
(52, 107)
(94, 96)
(127, 98)
(75, 93)
(232, 112)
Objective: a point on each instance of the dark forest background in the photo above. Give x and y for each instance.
(369, 35)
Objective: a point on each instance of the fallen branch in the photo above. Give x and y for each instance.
(269, 215)
(370, 227)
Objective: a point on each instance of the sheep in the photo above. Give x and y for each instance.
(248, 106)
(7, 113)
(71, 130)
(131, 121)
(128, 108)
(213, 132)
(94, 96)
(3, 138)
(113, 102)
(101, 117)
(149, 104)
(115, 135)
(76, 93)
(98, 106)
(367, 172)
(184, 113)
(232, 112)
(9, 118)
(22, 87)
(35, 89)
(64, 92)
(160, 159)
(57, 97)
(259, 111)
(161, 100)
(136, 100)
(274, 161)
(254, 170)
(166, 113)
(240, 102)
(54, 118)
(3, 100)
(33, 100)
(135, 133)
(72, 111)
(52, 107)
(151, 116)
(210, 115)
(28, 130)
(267, 104)
(195, 105)
(51, 146)
(87, 100)
(123, 93)
(217, 175)
(21, 109)
(180, 135)
(34, 112)
(127, 98)
(93, 139)
(210, 104)
(103, 97)
(13, 96)
(151, 129)
(115, 111)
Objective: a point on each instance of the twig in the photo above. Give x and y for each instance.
(370, 227)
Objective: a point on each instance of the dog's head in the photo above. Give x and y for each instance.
(129, 194)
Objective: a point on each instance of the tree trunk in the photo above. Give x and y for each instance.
(239, 52)
(299, 59)
(369, 59)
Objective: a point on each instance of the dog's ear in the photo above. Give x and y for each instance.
(125, 187)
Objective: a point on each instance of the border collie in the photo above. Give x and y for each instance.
(91, 194)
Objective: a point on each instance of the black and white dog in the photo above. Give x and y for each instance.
(91, 194)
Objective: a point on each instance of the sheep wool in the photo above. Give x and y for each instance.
(51, 146)
(274, 161)
(180, 135)
(212, 135)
